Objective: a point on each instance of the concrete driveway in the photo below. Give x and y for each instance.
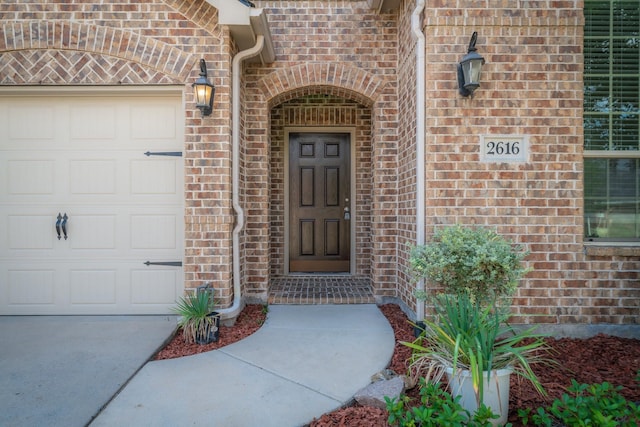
(62, 370)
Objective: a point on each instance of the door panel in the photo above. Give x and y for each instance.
(319, 192)
(86, 158)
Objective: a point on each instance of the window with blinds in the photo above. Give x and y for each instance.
(612, 120)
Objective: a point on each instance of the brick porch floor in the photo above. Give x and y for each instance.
(320, 289)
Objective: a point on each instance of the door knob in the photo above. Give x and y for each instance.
(347, 213)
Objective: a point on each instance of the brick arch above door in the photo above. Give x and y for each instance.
(338, 79)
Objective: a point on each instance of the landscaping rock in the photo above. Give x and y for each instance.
(374, 393)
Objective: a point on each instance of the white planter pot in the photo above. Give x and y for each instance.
(496, 392)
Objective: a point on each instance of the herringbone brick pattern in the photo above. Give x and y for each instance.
(51, 67)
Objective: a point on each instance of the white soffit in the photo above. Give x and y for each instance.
(245, 24)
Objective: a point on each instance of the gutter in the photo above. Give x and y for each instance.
(236, 68)
(420, 138)
(246, 23)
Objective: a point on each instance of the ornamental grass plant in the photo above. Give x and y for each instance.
(195, 315)
(465, 335)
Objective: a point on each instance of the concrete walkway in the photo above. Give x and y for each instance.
(305, 361)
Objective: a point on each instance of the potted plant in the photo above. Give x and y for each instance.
(477, 350)
(475, 261)
(199, 322)
(469, 338)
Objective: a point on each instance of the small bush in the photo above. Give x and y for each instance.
(438, 409)
(474, 261)
(598, 405)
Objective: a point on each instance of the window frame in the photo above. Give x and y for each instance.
(611, 113)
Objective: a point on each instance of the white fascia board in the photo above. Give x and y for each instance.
(231, 12)
(245, 24)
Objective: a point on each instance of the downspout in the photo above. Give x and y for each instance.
(416, 26)
(236, 65)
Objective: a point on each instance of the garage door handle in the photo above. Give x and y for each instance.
(164, 153)
(64, 226)
(167, 263)
(59, 219)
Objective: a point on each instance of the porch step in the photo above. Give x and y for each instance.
(321, 289)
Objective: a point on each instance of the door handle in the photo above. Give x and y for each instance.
(347, 213)
(59, 219)
(64, 226)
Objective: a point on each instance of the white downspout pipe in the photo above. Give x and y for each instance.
(236, 68)
(416, 26)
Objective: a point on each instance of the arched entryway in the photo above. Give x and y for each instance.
(323, 99)
(321, 193)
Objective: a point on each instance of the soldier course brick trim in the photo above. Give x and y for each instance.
(363, 87)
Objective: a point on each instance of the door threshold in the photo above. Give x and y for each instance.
(321, 289)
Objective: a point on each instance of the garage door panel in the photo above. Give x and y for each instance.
(93, 122)
(153, 122)
(21, 124)
(31, 232)
(92, 232)
(85, 158)
(153, 177)
(153, 286)
(93, 177)
(93, 287)
(31, 286)
(153, 231)
(88, 288)
(30, 177)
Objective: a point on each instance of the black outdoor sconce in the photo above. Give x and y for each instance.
(469, 69)
(204, 91)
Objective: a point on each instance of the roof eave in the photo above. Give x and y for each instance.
(383, 5)
(245, 25)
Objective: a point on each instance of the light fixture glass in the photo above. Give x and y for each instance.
(204, 91)
(469, 69)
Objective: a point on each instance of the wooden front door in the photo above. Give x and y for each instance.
(319, 202)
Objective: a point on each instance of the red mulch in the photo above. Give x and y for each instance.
(594, 360)
(249, 321)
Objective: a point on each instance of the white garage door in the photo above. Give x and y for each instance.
(89, 224)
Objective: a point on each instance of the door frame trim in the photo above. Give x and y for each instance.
(352, 196)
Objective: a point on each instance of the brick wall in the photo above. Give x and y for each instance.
(346, 51)
(531, 85)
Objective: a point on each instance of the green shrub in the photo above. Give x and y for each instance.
(597, 405)
(474, 261)
(194, 311)
(438, 409)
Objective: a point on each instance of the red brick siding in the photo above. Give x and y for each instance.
(347, 51)
(531, 85)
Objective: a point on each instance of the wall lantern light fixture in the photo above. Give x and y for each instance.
(204, 91)
(469, 69)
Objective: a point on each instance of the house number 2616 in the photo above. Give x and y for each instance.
(501, 147)
(507, 148)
